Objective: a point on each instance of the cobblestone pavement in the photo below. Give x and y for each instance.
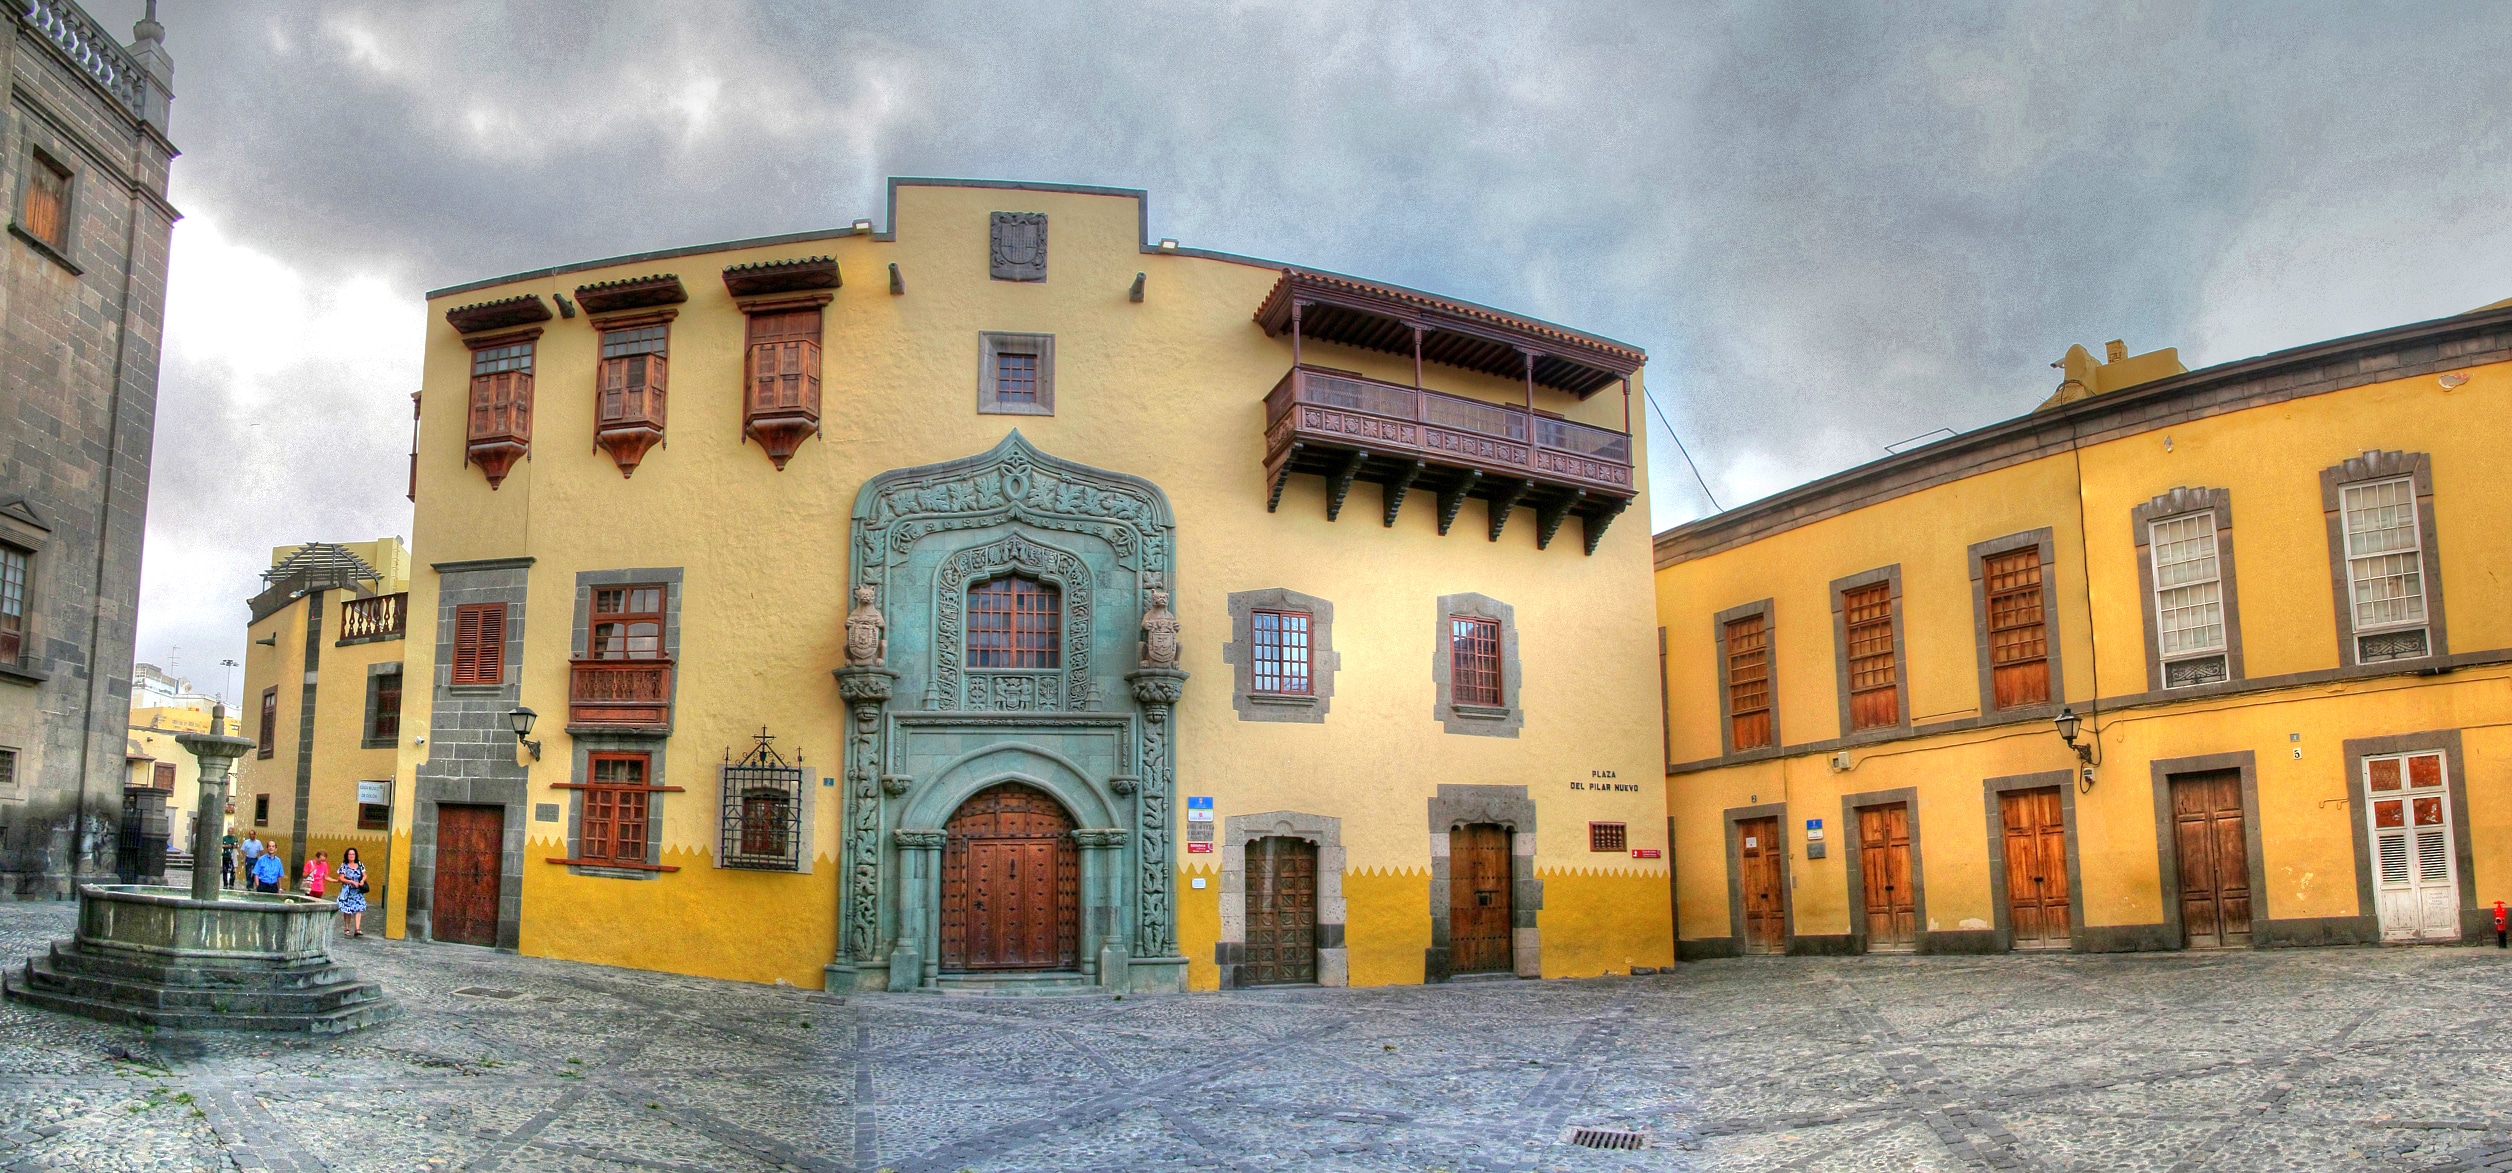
(2312, 1059)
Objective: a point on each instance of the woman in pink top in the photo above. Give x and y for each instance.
(317, 873)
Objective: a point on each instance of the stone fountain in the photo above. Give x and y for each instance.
(203, 959)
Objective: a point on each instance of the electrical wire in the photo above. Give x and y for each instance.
(1651, 396)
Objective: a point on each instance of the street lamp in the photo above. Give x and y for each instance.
(521, 720)
(2067, 722)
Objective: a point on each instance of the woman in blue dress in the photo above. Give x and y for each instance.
(352, 876)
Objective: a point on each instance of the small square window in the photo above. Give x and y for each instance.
(1015, 374)
(1607, 837)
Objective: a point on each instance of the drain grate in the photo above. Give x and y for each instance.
(1605, 1138)
(485, 992)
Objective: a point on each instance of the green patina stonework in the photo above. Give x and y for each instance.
(927, 730)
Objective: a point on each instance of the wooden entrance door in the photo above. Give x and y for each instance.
(1281, 912)
(1759, 855)
(2415, 868)
(2214, 859)
(470, 856)
(1479, 897)
(2036, 867)
(1884, 871)
(1011, 883)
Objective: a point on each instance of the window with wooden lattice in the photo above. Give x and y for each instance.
(479, 643)
(1874, 675)
(383, 717)
(2019, 635)
(613, 827)
(266, 743)
(1748, 653)
(44, 208)
(1474, 660)
(781, 405)
(1015, 622)
(1612, 837)
(629, 393)
(498, 430)
(1281, 641)
(161, 775)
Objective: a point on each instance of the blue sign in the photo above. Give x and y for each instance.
(1814, 824)
(1194, 803)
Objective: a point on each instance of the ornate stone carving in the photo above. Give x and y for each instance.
(1125, 784)
(930, 839)
(859, 685)
(1019, 246)
(1100, 836)
(1160, 632)
(1024, 691)
(895, 785)
(866, 690)
(1157, 690)
(1157, 687)
(867, 633)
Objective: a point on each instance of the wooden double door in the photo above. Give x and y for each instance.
(1281, 912)
(2209, 837)
(1480, 893)
(1890, 896)
(1762, 873)
(2034, 834)
(1011, 883)
(470, 860)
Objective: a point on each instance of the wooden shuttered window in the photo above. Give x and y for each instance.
(1474, 660)
(1608, 837)
(634, 365)
(501, 392)
(2019, 633)
(267, 741)
(386, 725)
(785, 363)
(1749, 683)
(44, 211)
(1874, 676)
(613, 829)
(480, 643)
(161, 775)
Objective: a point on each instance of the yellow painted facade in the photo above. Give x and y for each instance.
(2272, 439)
(342, 754)
(1169, 389)
(152, 742)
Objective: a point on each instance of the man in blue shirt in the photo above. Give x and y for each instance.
(268, 870)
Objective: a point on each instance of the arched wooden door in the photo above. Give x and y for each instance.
(1011, 883)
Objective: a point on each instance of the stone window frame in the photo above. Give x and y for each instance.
(368, 738)
(1853, 863)
(44, 152)
(1726, 716)
(1735, 873)
(20, 531)
(1508, 717)
(266, 725)
(2378, 465)
(2001, 916)
(2046, 539)
(1458, 805)
(1240, 653)
(2475, 922)
(580, 772)
(993, 343)
(1326, 831)
(1890, 575)
(2167, 852)
(2179, 503)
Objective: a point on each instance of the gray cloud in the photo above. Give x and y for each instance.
(1831, 227)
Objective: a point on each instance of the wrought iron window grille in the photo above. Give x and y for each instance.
(762, 798)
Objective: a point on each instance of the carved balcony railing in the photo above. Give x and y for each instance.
(77, 35)
(1347, 429)
(619, 694)
(378, 618)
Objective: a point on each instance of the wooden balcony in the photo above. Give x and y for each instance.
(619, 695)
(1349, 429)
(379, 618)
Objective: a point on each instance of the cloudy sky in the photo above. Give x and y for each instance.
(1832, 227)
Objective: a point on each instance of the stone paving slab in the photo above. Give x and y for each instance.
(2387, 1059)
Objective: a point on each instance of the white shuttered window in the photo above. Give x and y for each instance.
(2385, 566)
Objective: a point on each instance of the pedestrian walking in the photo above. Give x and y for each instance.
(268, 870)
(252, 850)
(353, 892)
(227, 862)
(318, 874)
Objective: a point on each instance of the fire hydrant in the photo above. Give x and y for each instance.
(2503, 936)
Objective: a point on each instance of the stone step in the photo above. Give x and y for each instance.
(336, 1021)
(200, 974)
(48, 976)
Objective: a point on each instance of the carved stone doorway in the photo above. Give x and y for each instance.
(1011, 883)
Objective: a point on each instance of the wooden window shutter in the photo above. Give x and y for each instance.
(1749, 683)
(479, 643)
(781, 399)
(2019, 640)
(1874, 692)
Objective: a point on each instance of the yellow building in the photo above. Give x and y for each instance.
(154, 758)
(1139, 694)
(322, 701)
(2302, 737)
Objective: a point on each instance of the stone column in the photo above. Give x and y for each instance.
(919, 894)
(217, 751)
(1103, 902)
(866, 690)
(1158, 691)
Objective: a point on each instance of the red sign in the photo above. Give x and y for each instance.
(1199, 849)
(1644, 853)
